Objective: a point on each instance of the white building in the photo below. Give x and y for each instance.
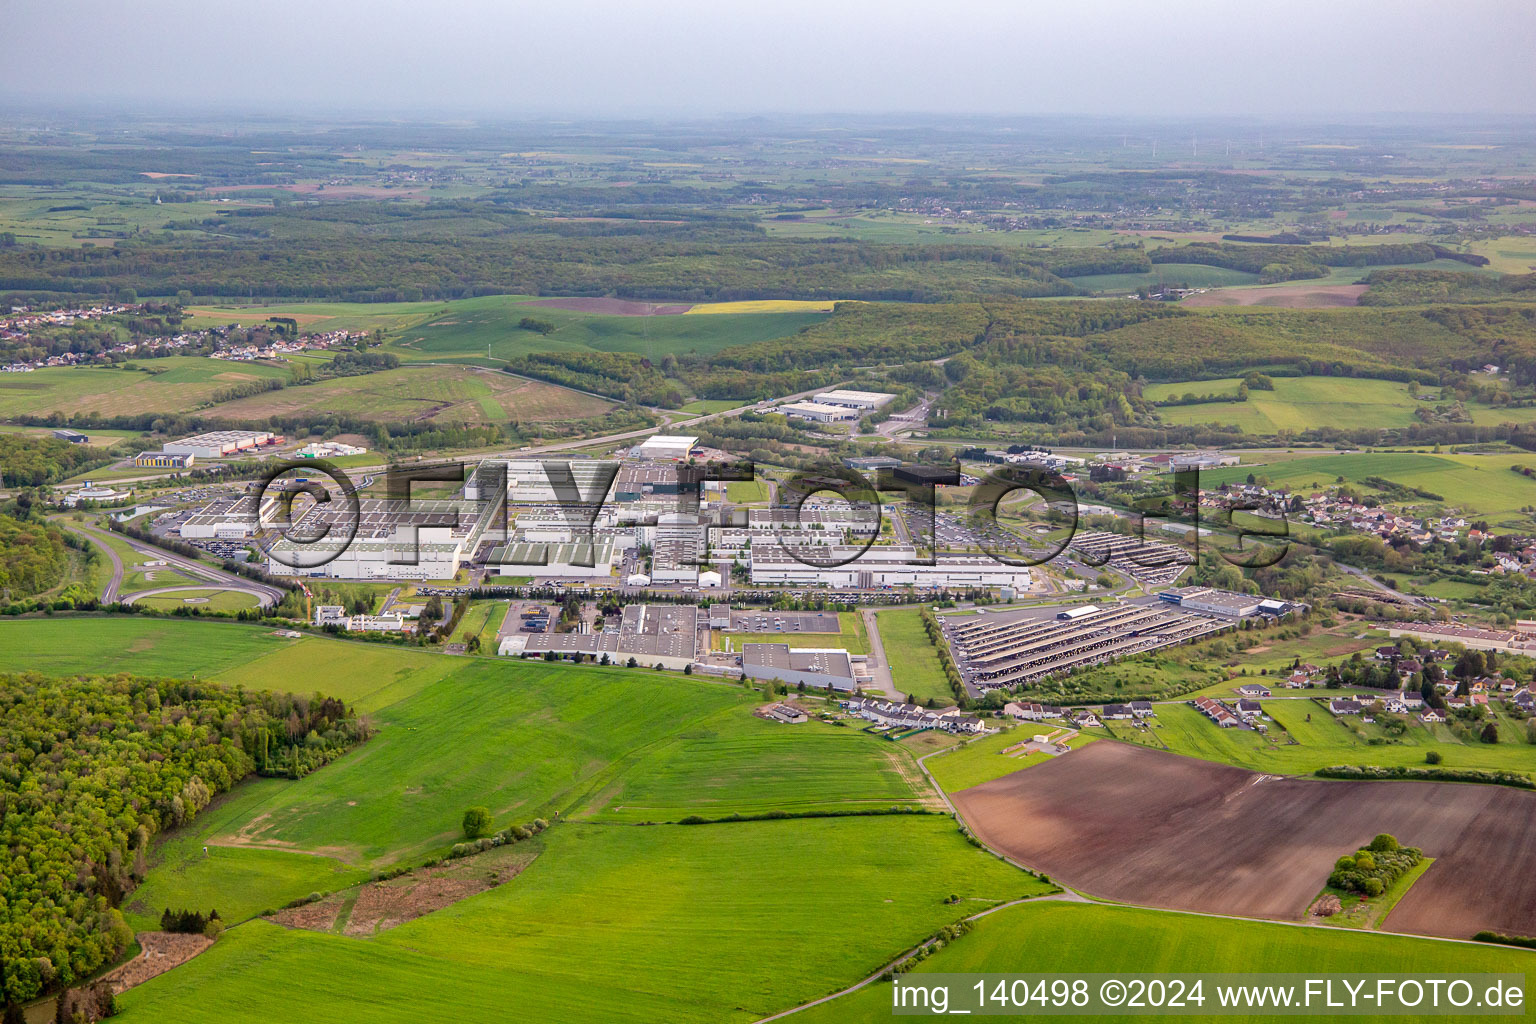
(862, 400)
(878, 567)
(217, 444)
(666, 446)
(817, 412)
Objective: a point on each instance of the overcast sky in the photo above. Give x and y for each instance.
(1172, 58)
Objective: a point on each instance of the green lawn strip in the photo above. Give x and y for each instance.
(983, 760)
(914, 661)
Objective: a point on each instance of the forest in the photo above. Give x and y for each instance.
(91, 769)
(32, 558)
(31, 461)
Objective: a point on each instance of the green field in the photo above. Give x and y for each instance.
(1303, 746)
(1071, 938)
(983, 760)
(172, 384)
(733, 762)
(745, 492)
(481, 329)
(438, 394)
(210, 600)
(1193, 275)
(914, 661)
(617, 923)
(372, 676)
(1306, 403)
(1482, 484)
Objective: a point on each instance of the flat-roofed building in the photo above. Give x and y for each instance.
(818, 412)
(843, 567)
(864, 400)
(162, 460)
(821, 667)
(393, 540)
(217, 444)
(667, 446)
(665, 635)
(576, 559)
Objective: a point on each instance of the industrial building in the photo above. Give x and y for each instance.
(665, 635)
(1213, 602)
(844, 567)
(666, 446)
(818, 412)
(217, 444)
(822, 668)
(565, 482)
(162, 460)
(864, 401)
(233, 518)
(394, 540)
(1007, 650)
(581, 559)
(871, 463)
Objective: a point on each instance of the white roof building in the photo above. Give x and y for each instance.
(666, 446)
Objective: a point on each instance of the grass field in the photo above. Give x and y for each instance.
(481, 329)
(734, 762)
(914, 661)
(1482, 484)
(1303, 746)
(852, 637)
(172, 384)
(1305, 403)
(1070, 938)
(437, 394)
(211, 600)
(1193, 275)
(370, 676)
(983, 760)
(483, 619)
(745, 492)
(616, 923)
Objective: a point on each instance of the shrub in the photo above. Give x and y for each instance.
(477, 823)
(1384, 843)
(1433, 757)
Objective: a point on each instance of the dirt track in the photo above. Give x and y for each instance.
(1146, 827)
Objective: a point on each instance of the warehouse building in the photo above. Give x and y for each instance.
(162, 460)
(565, 482)
(1214, 602)
(667, 446)
(393, 540)
(843, 567)
(665, 635)
(864, 401)
(218, 444)
(823, 668)
(578, 559)
(818, 412)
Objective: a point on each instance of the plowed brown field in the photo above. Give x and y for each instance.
(1142, 826)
